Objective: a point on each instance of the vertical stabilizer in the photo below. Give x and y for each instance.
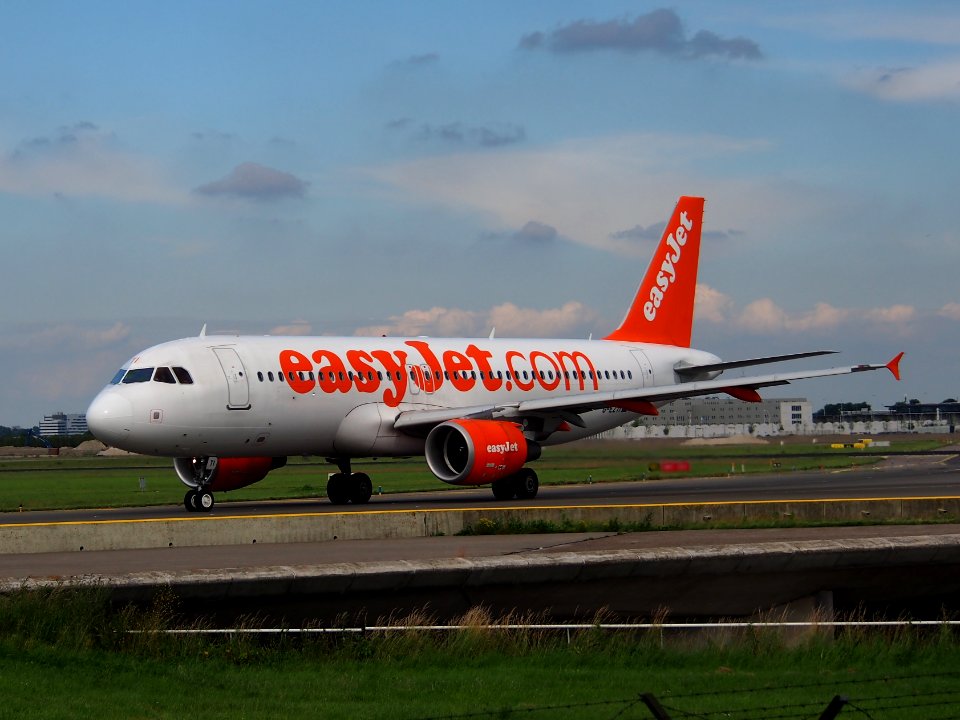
(662, 311)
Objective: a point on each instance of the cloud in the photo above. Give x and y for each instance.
(251, 181)
(536, 232)
(711, 305)
(67, 337)
(951, 311)
(659, 31)
(764, 316)
(82, 160)
(931, 82)
(558, 185)
(639, 232)
(418, 61)
(297, 327)
(570, 320)
(213, 136)
(487, 136)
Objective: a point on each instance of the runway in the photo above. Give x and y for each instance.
(899, 477)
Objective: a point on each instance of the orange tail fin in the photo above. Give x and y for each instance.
(662, 311)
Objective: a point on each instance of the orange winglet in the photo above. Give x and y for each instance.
(894, 366)
(643, 407)
(746, 394)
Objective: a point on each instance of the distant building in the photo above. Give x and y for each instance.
(792, 414)
(63, 424)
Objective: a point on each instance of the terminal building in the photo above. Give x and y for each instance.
(60, 424)
(791, 414)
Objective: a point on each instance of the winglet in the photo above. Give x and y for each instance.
(662, 311)
(894, 366)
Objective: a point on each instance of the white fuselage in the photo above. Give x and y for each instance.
(280, 396)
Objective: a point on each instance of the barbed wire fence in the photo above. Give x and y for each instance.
(873, 698)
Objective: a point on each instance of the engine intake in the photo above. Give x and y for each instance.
(475, 452)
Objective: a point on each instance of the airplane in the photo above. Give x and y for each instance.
(230, 409)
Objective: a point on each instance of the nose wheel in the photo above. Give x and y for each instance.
(198, 500)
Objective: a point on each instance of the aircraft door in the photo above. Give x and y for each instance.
(646, 369)
(238, 390)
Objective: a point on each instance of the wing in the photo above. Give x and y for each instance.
(568, 407)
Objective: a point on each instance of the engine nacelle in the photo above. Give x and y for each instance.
(227, 473)
(474, 452)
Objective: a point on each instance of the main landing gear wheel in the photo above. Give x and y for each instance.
(343, 488)
(527, 484)
(190, 501)
(338, 489)
(361, 488)
(522, 485)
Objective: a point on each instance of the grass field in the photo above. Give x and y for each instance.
(64, 482)
(68, 654)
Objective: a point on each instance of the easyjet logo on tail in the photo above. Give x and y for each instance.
(668, 268)
(662, 309)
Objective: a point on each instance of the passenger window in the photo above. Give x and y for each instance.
(139, 375)
(260, 376)
(280, 376)
(270, 376)
(164, 375)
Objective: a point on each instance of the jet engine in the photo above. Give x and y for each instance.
(227, 473)
(475, 452)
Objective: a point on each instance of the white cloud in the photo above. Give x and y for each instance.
(83, 161)
(951, 311)
(62, 337)
(296, 327)
(764, 316)
(586, 189)
(570, 320)
(712, 305)
(934, 81)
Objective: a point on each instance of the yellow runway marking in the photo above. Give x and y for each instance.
(281, 516)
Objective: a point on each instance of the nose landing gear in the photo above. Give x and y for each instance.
(198, 500)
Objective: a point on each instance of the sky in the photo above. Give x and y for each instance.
(444, 168)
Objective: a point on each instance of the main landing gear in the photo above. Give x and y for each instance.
(522, 485)
(344, 487)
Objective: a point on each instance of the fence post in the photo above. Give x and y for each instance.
(655, 707)
(834, 708)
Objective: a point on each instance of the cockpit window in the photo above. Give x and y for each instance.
(118, 377)
(138, 375)
(164, 375)
(183, 376)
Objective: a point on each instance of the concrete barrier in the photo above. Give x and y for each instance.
(708, 581)
(200, 530)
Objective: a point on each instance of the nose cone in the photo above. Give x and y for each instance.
(110, 417)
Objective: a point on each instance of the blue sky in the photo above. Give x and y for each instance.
(443, 167)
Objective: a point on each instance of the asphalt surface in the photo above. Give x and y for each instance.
(899, 477)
